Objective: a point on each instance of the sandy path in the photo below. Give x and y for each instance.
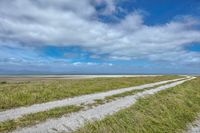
(18, 112)
(76, 120)
(195, 127)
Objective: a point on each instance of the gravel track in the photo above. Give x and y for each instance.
(194, 128)
(76, 120)
(19, 112)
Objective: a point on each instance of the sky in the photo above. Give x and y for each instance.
(100, 37)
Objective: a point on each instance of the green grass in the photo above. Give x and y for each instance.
(14, 95)
(168, 111)
(35, 118)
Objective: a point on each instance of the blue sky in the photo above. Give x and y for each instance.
(99, 36)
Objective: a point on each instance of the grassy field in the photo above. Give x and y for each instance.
(18, 94)
(168, 111)
(35, 118)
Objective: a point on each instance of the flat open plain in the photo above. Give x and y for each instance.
(94, 99)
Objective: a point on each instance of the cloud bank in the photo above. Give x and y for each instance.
(38, 23)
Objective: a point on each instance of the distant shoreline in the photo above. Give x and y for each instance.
(60, 77)
(75, 75)
(69, 76)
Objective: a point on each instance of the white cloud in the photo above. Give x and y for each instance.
(33, 23)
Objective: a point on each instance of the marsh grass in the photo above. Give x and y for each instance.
(32, 119)
(3, 82)
(18, 94)
(168, 111)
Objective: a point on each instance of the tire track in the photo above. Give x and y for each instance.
(76, 120)
(19, 112)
